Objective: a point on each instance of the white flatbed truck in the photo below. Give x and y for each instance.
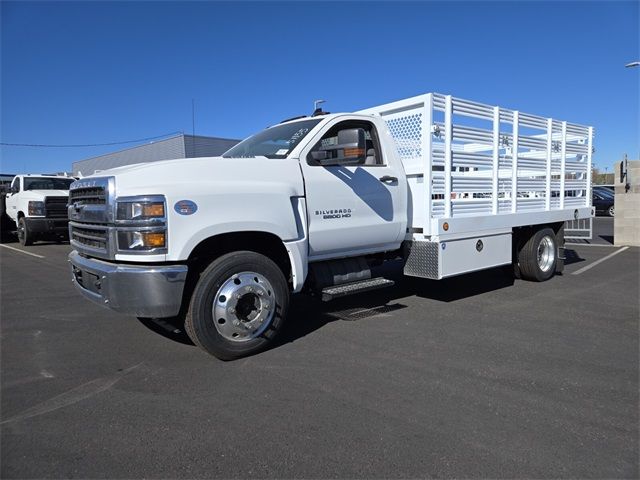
(447, 185)
(37, 204)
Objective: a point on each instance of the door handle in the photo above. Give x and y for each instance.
(388, 179)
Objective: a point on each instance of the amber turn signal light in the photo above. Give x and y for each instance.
(153, 210)
(153, 239)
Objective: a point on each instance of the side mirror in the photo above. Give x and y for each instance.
(349, 149)
(319, 155)
(351, 138)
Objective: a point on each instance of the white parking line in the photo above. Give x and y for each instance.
(75, 395)
(22, 251)
(575, 244)
(597, 262)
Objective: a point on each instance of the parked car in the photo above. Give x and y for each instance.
(604, 203)
(604, 189)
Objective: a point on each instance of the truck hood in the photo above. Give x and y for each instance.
(190, 175)
(40, 194)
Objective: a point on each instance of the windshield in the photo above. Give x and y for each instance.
(274, 142)
(44, 183)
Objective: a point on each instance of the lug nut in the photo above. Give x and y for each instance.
(232, 310)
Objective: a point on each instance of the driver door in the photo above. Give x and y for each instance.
(354, 198)
(11, 201)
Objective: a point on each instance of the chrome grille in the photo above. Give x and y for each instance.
(88, 196)
(90, 200)
(91, 215)
(93, 237)
(56, 207)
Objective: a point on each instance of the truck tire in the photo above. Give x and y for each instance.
(238, 306)
(25, 237)
(538, 256)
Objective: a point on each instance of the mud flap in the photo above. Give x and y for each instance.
(560, 243)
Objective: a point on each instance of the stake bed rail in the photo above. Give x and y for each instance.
(475, 167)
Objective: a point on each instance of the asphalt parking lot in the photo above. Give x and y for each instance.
(476, 376)
(602, 233)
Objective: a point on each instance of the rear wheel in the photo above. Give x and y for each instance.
(538, 257)
(611, 211)
(239, 305)
(25, 237)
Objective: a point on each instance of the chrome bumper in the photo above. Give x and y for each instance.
(143, 291)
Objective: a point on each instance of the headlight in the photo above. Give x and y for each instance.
(36, 208)
(141, 240)
(141, 224)
(140, 210)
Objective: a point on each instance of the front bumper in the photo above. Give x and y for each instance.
(142, 291)
(57, 226)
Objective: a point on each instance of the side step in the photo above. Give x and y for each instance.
(331, 293)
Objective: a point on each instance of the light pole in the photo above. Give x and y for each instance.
(623, 166)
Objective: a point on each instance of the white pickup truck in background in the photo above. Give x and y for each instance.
(37, 204)
(447, 185)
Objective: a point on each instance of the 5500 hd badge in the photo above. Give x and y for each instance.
(339, 213)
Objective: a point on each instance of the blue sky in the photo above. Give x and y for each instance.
(90, 72)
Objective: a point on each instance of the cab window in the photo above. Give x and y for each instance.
(347, 143)
(15, 185)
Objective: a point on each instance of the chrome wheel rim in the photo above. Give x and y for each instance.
(243, 306)
(546, 253)
(611, 211)
(20, 231)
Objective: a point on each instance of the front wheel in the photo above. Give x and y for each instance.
(538, 257)
(239, 305)
(25, 237)
(611, 211)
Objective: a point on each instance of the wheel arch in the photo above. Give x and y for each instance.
(264, 243)
(210, 248)
(521, 235)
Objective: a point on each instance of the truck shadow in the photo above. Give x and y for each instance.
(368, 188)
(37, 243)
(571, 256)
(607, 238)
(171, 328)
(308, 314)
(9, 237)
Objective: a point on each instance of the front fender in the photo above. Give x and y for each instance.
(209, 231)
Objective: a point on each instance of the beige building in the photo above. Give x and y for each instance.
(626, 223)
